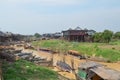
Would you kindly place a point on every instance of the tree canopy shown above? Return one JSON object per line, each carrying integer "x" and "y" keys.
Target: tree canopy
{"x": 117, "y": 35}
{"x": 104, "y": 36}
{"x": 37, "y": 35}
{"x": 107, "y": 35}
{"x": 97, "y": 37}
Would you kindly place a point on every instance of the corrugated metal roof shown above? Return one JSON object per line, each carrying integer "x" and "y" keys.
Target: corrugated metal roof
{"x": 106, "y": 73}
{"x": 78, "y": 28}
{"x": 90, "y": 64}
{"x": 101, "y": 70}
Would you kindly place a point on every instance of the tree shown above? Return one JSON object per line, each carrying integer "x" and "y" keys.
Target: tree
{"x": 97, "y": 37}
{"x": 107, "y": 35}
{"x": 117, "y": 35}
{"x": 37, "y": 35}
{"x": 103, "y": 36}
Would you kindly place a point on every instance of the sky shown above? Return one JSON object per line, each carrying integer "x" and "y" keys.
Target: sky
{"x": 49, "y": 16}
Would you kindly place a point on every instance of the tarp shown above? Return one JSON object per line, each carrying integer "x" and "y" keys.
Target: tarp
{"x": 82, "y": 74}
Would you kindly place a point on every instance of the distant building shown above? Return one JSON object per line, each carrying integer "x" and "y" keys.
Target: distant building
{"x": 57, "y": 35}
{"x": 90, "y": 32}
{"x": 78, "y": 34}
{"x": 47, "y": 35}
{"x": 52, "y": 35}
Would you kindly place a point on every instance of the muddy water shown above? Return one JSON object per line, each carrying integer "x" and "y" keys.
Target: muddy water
{"x": 68, "y": 58}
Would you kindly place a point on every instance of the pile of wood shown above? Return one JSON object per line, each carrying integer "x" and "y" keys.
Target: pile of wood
{"x": 20, "y": 45}
{"x": 24, "y": 53}
{"x": 28, "y": 46}
{"x": 38, "y": 59}
{"x": 29, "y": 57}
{"x": 8, "y": 53}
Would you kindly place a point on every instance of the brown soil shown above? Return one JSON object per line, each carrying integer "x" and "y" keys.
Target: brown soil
{"x": 116, "y": 47}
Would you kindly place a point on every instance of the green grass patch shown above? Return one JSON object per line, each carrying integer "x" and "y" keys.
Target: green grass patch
{"x": 24, "y": 70}
{"x": 115, "y": 42}
{"x": 82, "y": 47}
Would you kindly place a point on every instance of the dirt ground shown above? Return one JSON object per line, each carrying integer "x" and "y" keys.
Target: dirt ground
{"x": 116, "y": 47}
{"x": 68, "y": 59}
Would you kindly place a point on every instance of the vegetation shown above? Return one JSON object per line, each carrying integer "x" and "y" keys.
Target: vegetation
{"x": 24, "y": 70}
{"x": 97, "y": 37}
{"x": 108, "y": 51}
{"x": 105, "y": 36}
{"x": 37, "y": 35}
{"x": 117, "y": 35}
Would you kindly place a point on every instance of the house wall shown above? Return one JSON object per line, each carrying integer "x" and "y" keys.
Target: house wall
{"x": 78, "y": 35}
{"x": 74, "y": 35}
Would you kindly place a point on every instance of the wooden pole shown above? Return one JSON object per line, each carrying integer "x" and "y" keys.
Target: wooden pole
{"x": 73, "y": 69}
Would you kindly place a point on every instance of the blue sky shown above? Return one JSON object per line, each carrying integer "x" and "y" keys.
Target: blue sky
{"x": 46, "y": 16}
